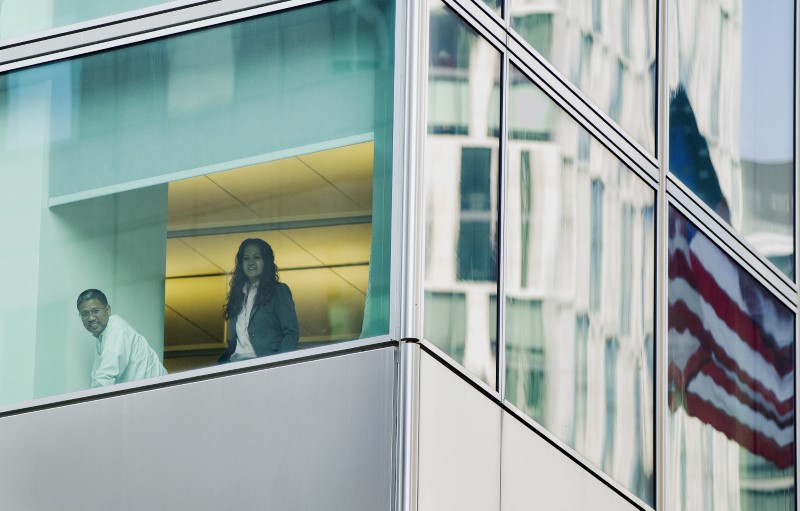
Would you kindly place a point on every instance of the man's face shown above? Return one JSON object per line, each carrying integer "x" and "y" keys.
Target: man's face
{"x": 94, "y": 316}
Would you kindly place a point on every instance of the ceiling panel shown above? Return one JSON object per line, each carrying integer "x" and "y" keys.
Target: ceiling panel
{"x": 198, "y": 302}
{"x": 200, "y": 203}
{"x": 286, "y": 190}
{"x": 221, "y": 249}
{"x": 328, "y": 307}
{"x": 357, "y": 276}
{"x": 181, "y": 333}
{"x": 347, "y": 168}
{"x": 341, "y": 244}
{"x": 182, "y": 260}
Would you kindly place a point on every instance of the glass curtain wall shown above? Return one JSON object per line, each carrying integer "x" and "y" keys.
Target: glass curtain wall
{"x": 578, "y": 239}
{"x": 140, "y": 171}
{"x": 462, "y": 194}
{"x": 579, "y": 294}
{"x": 579, "y": 242}
{"x": 606, "y": 48}
{"x": 732, "y": 115}
{"x": 731, "y": 390}
{"x": 20, "y": 18}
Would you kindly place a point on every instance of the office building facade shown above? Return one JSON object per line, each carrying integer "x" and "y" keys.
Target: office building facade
{"x": 542, "y": 254}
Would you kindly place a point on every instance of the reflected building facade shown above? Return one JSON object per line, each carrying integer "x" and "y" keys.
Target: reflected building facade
{"x": 542, "y": 253}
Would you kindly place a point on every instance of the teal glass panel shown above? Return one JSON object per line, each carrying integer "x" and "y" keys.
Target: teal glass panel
{"x": 579, "y": 239}
{"x": 732, "y": 117}
{"x": 462, "y": 194}
{"x": 140, "y": 171}
{"x": 20, "y": 18}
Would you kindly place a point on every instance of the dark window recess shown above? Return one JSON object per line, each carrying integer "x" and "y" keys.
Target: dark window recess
{"x": 477, "y": 244}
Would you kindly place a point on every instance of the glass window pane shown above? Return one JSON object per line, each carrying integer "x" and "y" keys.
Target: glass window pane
{"x": 731, "y": 134}
{"x": 19, "y": 18}
{"x": 143, "y": 169}
{"x": 496, "y": 5}
{"x": 731, "y": 421}
{"x": 462, "y": 183}
{"x": 607, "y": 49}
{"x": 579, "y": 324}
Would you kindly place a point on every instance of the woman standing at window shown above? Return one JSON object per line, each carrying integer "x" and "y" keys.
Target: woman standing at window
{"x": 260, "y": 310}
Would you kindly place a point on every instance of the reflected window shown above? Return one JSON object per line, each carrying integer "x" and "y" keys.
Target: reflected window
{"x": 477, "y": 252}
{"x": 525, "y": 373}
{"x": 607, "y": 50}
{"x": 731, "y": 133}
{"x": 596, "y": 246}
{"x": 731, "y": 381}
{"x": 462, "y": 192}
{"x": 575, "y": 346}
{"x": 597, "y": 16}
{"x": 611, "y": 372}
{"x": 445, "y": 322}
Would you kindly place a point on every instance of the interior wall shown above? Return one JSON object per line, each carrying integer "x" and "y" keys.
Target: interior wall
{"x": 23, "y": 153}
{"x": 116, "y": 244}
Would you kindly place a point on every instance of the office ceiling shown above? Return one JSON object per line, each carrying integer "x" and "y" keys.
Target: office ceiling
{"x": 314, "y": 210}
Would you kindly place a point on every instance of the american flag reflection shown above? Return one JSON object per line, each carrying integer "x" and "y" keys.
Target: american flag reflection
{"x": 731, "y": 348}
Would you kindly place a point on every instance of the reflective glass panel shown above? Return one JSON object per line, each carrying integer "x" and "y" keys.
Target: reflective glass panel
{"x": 496, "y": 5}
{"x": 606, "y": 48}
{"x": 461, "y": 203}
{"x": 731, "y": 383}
{"x": 121, "y": 173}
{"x": 19, "y": 18}
{"x": 579, "y": 240}
{"x": 731, "y": 134}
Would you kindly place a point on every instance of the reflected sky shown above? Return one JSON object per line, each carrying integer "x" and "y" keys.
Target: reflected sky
{"x": 732, "y": 117}
{"x": 767, "y": 77}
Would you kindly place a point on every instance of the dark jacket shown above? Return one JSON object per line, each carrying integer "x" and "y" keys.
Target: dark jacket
{"x": 273, "y": 326}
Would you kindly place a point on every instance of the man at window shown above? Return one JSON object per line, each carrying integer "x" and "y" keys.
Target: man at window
{"x": 121, "y": 353}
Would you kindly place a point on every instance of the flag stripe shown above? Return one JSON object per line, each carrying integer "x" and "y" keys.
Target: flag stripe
{"x": 729, "y": 311}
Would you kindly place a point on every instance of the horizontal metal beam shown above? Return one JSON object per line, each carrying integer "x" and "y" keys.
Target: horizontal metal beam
{"x": 271, "y": 226}
{"x": 132, "y": 27}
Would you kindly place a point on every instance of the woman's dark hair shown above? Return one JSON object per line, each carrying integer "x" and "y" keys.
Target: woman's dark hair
{"x": 266, "y": 284}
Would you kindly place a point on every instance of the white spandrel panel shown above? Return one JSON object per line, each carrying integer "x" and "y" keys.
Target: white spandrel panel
{"x": 308, "y": 435}
{"x": 459, "y": 443}
{"x": 538, "y": 476}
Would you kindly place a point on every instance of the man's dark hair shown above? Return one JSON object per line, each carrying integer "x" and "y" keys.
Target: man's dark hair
{"x": 92, "y": 294}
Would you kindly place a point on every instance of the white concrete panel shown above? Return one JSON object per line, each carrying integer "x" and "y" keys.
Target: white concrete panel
{"x": 306, "y": 436}
{"x": 536, "y": 475}
{"x": 459, "y": 443}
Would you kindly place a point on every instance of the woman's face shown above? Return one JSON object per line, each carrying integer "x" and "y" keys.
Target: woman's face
{"x": 252, "y": 263}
